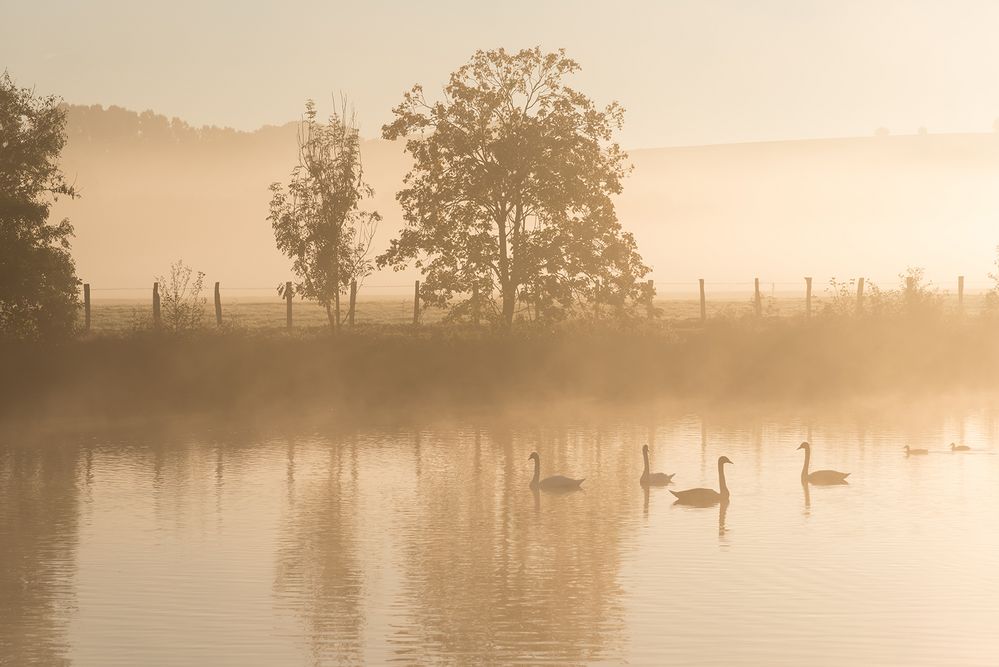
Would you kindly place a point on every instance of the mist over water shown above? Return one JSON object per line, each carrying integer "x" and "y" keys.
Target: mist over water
{"x": 292, "y": 544}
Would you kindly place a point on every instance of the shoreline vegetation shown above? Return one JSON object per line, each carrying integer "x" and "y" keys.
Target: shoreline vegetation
{"x": 391, "y": 371}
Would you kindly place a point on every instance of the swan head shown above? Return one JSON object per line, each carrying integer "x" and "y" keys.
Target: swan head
{"x": 804, "y": 445}
{"x": 723, "y": 460}
{"x": 534, "y": 457}
{"x": 906, "y": 448}
{"x": 645, "y": 449}
{"x": 953, "y": 445}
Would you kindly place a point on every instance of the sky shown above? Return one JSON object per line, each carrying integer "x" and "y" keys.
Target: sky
{"x": 688, "y": 72}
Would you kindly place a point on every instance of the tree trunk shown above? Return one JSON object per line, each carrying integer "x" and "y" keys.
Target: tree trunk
{"x": 329, "y": 316}
{"x": 509, "y": 303}
{"x": 336, "y": 301}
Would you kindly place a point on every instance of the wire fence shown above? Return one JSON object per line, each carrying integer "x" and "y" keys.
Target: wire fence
{"x": 120, "y": 308}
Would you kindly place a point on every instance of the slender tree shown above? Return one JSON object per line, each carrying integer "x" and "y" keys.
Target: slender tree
{"x": 317, "y": 220}
{"x": 511, "y": 188}
{"x": 38, "y": 283}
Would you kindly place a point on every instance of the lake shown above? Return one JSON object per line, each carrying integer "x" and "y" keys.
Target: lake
{"x": 424, "y": 544}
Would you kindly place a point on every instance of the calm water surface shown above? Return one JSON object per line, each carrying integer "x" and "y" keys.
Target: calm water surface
{"x": 427, "y": 546}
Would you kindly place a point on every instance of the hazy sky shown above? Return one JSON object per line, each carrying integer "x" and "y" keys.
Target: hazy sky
{"x": 688, "y": 72}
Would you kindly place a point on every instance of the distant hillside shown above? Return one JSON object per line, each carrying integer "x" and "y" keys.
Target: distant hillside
{"x": 156, "y": 189}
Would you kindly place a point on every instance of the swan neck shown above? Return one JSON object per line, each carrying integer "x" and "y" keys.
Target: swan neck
{"x": 537, "y": 471}
{"x": 804, "y": 467}
{"x": 722, "y": 486}
{"x": 645, "y": 455}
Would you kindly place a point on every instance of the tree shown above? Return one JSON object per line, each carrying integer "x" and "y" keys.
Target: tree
{"x": 38, "y": 283}
{"x": 510, "y": 190}
{"x": 317, "y": 221}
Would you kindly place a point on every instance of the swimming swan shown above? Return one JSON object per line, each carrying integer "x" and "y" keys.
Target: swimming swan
{"x": 915, "y": 452}
{"x": 653, "y": 478}
{"x": 705, "y": 497}
{"x": 553, "y": 483}
{"x": 959, "y": 448}
{"x": 820, "y": 476}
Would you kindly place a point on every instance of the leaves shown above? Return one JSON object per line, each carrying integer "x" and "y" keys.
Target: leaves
{"x": 511, "y": 189}
{"x": 317, "y": 220}
{"x": 38, "y": 280}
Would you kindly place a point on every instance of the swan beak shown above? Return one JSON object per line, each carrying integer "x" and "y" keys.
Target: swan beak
{"x": 801, "y": 446}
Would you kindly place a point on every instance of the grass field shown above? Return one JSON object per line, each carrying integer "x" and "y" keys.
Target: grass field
{"x": 122, "y": 316}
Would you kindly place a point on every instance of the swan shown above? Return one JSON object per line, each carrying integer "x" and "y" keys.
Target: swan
{"x": 915, "y": 452}
{"x": 653, "y": 478}
{"x": 553, "y": 483}
{"x": 959, "y": 448}
{"x": 819, "y": 476}
{"x": 705, "y": 497}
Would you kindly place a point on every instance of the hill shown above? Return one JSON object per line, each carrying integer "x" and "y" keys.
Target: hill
{"x": 156, "y": 189}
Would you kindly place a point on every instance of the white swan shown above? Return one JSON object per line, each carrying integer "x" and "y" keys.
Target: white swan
{"x": 706, "y": 497}
{"x": 959, "y": 448}
{"x": 653, "y": 478}
{"x": 915, "y": 452}
{"x": 821, "y": 477}
{"x": 553, "y": 483}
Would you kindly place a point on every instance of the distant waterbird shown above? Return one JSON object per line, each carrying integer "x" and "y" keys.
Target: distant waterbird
{"x": 954, "y": 447}
{"x": 915, "y": 452}
{"x": 553, "y": 483}
{"x": 820, "y": 477}
{"x": 653, "y": 478}
{"x": 706, "y": 497}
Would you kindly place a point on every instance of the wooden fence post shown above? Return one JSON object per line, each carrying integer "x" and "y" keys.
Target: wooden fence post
{"x": 704, "y": 309}
{"x": 218, "y": 305}
{"x": 353, "y": 302}
{"x": 86, "y": 306}
{"x": 416, "y": 304}
{"x": 287, "y": 298}
{"x": 860, "y": 295}
{"x": 808, "y": 297}
{"x": 475, "y": 305}
{"x": 960, "y": 295}
{"x": 652, "y": 298}
{"x": 758, "y": 299}
{"x": 156, "y": 305}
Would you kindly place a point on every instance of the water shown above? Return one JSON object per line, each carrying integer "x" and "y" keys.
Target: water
{"x": 221, "y": 546}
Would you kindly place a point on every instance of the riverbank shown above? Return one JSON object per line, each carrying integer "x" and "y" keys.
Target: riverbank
{"x": 111, "y": 378}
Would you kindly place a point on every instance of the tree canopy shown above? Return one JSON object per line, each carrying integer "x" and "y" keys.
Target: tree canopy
{"x": 510, "y": 191}
{"x": 317, "y": 221}
{"x": 38, "y": 283}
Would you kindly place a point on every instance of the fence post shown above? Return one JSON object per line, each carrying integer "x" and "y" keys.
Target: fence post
{"x": 758, "y": 299}
{"x": 808, "y": 297}
{"x": 156, "y": 305}
{"x": 218, "y": 305}
{"x": 86, "y": 306}
{"x": 860, "y": 295}
{"x": 475, "y": 304}
{"x": 353, "y": 302}
{"x": 287, "y": 298}
{"x": 960, "y": 295}
{"x": 704, "y": 310}
{"x": 416, "y": 304}
{"x": 652, "y": 297}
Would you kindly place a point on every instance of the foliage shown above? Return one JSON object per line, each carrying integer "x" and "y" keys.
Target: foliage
{"x": 317, "y": 221}
{"x": 181, "y": 305}
{"x": 510, "y": 192}
{"x": 38, "y": 283}
{"x": 992, "y": 296}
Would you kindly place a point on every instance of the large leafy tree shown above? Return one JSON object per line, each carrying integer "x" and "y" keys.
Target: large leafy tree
{"x": 38, "y": 283}
{"x": 510, "y": 191}
{"x": 317, "y": 220}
